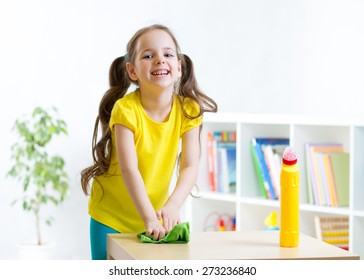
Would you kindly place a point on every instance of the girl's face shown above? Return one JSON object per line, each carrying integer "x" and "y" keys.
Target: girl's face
{"x": 156, "y": 62}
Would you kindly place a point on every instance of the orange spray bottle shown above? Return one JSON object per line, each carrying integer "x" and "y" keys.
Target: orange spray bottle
{"x": 289, "y": 199}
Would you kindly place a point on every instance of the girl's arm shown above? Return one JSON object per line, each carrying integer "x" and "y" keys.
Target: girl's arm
{"x": 128, "y": 161}
{"x": 190, "y": 157}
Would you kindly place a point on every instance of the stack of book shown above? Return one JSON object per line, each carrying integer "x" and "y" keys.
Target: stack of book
{"x": 267, "y": 158}
{"x": 327, "y": 174}
{"x": 222, "y": 161}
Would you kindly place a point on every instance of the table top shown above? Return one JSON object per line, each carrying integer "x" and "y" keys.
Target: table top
{"x": 223, "y": 245}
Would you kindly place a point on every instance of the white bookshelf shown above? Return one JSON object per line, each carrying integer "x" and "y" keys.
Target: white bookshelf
{"x": 248, "y": 204}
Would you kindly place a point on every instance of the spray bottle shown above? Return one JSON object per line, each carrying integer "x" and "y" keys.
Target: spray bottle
{"x": 289, "y": 199}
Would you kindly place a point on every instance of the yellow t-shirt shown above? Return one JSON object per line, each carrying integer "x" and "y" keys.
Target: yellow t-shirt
{"x": 156, "y": 146}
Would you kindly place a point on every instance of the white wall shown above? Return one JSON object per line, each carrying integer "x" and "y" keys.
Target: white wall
{"x": 266, "y": 56}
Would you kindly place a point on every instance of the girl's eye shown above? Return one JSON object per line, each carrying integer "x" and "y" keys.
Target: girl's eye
{"x": 148, "y": 56}
{"x": 168, "y": 55}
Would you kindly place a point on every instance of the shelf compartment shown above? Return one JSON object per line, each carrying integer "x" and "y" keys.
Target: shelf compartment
{"x": 252, "y": 216}
{"x": 249, "y": 186}
{"x": 203, "y": 177}
{"x": 204, "y": 212}
{"x": 304, "y": 134}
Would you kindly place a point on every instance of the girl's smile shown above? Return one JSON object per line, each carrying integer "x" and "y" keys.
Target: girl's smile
{"x": 160, "y": 72}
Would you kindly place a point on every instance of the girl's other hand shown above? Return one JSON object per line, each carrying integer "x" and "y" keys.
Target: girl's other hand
{"x": 170, "y": 216}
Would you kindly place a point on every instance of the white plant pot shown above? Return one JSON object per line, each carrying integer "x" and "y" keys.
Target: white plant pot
{"x": 35, "y": 252}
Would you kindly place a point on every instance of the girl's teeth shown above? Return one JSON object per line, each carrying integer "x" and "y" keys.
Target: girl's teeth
{"x": 160, "y": 73}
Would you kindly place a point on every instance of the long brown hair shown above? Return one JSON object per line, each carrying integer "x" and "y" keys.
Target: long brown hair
{"x": 119, "y": 84}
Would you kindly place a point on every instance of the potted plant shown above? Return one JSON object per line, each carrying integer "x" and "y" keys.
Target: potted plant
{"x": 42, "y": 176}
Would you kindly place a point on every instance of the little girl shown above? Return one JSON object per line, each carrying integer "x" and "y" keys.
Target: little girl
{"x": 135, "y": 157}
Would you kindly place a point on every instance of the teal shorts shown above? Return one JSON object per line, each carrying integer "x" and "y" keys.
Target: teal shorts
{"x": 98, "y": 234}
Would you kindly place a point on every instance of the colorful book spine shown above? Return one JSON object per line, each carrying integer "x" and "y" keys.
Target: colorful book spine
{"x": 261, "y": 169}
{"x": 318, "y": 182}
{"x": 312, "y": 196}
{"x": 221, "y": 147}
{"x": 273, "y": 168}
{"x": 211, "y": 161}
{"x": 330, "y": 179}
{"x": 268, "y": 152}
{"x": 324, "y": 182}
{"x": 259, "y": 172}
{"x": 227, "y": 166}
{"x": 340, "y": 164}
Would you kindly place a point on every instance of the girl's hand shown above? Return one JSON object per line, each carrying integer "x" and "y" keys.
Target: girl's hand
{"x": 170, "y": 215}
{"x": 155, "y": 228}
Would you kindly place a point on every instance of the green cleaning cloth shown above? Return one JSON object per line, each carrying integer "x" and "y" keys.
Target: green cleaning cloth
{"x": 179, "y": 234}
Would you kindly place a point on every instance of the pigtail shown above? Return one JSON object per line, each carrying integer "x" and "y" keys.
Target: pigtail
{"x": 188, "y": 87}
{"x": 101, "y": 149}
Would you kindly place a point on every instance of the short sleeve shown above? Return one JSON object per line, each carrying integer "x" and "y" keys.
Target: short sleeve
{"x": 123, "y": 113}
{"x": 192, "y": 109}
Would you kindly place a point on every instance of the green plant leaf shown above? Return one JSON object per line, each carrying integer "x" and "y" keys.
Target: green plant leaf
{"x": 42, "y": 176}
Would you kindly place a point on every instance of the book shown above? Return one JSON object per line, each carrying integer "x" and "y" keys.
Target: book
{"x": 221, "y": 155}
{"x": 268, "y": 152}
{"x": 227, "y": 167}
{"x": 258, "y": 168}
{"x": 316, "y": 187}
{"x": 340, "y": 165}
{"x": 273, "y": 159}
{"x": 329, "y": 175}
{"x": 231, "y": 160}
{"x": 211, "y": 160}
{"x": 322, "y": 178}
{"x": 262, "y": 169}
{"x": 309, "y": 173}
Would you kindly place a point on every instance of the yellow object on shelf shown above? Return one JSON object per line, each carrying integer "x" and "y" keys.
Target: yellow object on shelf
{"x": 271, "y": 221}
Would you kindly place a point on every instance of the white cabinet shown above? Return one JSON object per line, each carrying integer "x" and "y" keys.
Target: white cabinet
{"x": 248, "y": 204}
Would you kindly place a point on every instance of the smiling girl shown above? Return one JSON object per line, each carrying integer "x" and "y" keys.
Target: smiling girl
{"x": 142, "y": 131}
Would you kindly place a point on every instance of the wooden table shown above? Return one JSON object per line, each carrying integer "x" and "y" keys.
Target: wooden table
{"x": 223, "y": 246}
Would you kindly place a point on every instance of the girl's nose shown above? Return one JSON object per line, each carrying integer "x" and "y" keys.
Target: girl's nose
{"x": 160, "y": 60}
